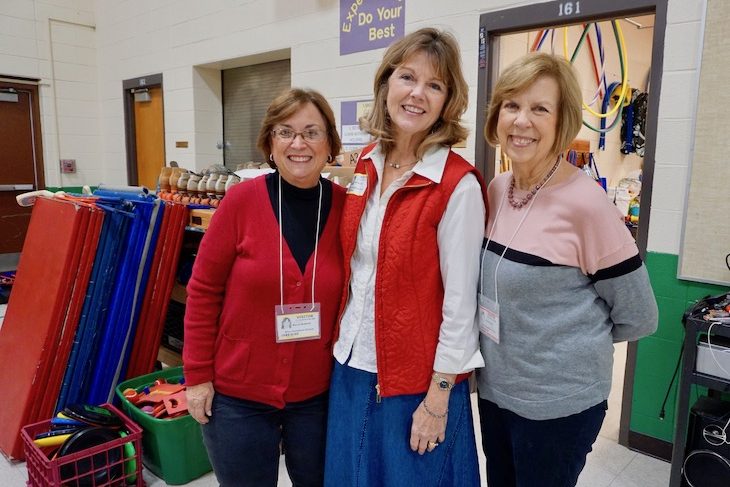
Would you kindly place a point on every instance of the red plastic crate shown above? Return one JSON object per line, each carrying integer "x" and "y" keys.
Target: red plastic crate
{"x": 79, "y": 469}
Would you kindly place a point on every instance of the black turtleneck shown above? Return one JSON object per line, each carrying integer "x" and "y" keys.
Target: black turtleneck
{"x": 299, "y": 212}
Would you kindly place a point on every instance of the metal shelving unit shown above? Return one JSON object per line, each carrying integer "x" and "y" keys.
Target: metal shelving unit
{"x": 688, "y": 377}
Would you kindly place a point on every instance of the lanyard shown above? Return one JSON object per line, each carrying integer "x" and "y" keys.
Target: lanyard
{"x": 489, "y": 237}
{"x": 281, "y": 245}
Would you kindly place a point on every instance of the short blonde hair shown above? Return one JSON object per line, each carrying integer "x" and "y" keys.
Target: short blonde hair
{"x": 519, "y": 75}
{"x": 287, "y": 104}
{"x": 443, "y": 51}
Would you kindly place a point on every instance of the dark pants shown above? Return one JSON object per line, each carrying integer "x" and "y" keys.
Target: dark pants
{"x": 243, "y": 438}
{"x": 525, "y": 453}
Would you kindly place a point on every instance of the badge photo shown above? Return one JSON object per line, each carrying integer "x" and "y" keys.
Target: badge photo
{"x": 297, "y": 322}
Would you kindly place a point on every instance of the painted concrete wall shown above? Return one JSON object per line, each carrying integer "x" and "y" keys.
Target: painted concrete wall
{"x": 82, "y": 50}
{"x": 56, "y": 42}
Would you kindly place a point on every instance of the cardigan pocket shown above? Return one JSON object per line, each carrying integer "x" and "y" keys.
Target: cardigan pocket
{"x": 231, "y": 359}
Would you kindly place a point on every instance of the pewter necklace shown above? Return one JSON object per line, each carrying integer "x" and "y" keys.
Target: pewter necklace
{"x": 396, "y": 165}
{"x": 526, "y": 199}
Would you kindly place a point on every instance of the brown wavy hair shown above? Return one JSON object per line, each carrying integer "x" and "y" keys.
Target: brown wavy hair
{"x": 519, "y": 75}
{"x": 443, "y": 51}
{"x": 287, "y": 104}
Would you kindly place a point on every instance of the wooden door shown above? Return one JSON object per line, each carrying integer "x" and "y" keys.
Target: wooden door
{"x": 149, "y": 135}
{"x": 21, "y": 163}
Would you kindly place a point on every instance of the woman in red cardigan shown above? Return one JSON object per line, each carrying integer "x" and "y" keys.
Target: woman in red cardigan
{"x": 262, "y": 303}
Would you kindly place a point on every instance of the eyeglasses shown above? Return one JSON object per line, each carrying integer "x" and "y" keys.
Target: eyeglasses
{"x": 310, "y": 135}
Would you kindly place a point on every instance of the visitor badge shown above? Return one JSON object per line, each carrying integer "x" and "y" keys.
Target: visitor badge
{"x": 296, "y": 322}
{"x": 358, "y": 185}
{"x": 489, "y": 317}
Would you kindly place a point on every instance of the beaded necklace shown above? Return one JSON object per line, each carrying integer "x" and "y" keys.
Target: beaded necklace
{"x": 526, "y": 199}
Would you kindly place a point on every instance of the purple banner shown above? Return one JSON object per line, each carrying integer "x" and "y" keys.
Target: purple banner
{"x": 370, "y": 24}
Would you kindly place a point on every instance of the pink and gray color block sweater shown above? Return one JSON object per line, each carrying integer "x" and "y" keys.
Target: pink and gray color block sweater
{"x": 570, "y": 285}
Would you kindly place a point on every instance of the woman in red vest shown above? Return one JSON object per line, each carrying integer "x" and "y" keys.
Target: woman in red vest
{"x": 262, "y": 303}
{"x": 412, "y": 228}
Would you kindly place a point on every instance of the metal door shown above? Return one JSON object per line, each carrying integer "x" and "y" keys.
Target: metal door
{"x": 21, "y": 164}
{"x": 149, "y": 135}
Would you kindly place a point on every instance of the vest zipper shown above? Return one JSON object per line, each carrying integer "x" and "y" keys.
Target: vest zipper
{"x": 380, "y": 253}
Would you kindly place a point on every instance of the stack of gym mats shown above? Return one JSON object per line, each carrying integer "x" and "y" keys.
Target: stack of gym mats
{"x": 103, "y": 335}
{"x": 154, "y": 309}
{"x": 80, "y": 288}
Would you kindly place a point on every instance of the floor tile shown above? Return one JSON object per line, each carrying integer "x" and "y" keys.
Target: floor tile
{"x": 612, "y": 456}
{"x": 595, "y": 475}
{"x": 603, "y": 465}
{"x": 12, "y": 473}
{"x": 209, "y": 480}
{"x": 644, "y": 471}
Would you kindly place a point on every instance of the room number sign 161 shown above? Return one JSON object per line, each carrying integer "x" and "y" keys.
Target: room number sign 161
{"x": 568, "y": 8}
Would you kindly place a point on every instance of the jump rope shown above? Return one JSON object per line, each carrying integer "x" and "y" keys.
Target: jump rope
{"x": 602, "y": 85}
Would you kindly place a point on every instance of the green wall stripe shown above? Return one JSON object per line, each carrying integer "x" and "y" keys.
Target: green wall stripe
{"x": 657, "y": 354}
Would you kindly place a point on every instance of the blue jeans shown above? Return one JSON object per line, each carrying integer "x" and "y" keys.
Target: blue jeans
{"x": 243, "y": 439}
{"x": 523, "y": 452}
{"x": 368, "y": 442}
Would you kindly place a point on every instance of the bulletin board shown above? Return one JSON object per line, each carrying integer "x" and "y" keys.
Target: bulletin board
{"x": 706, "y": 229}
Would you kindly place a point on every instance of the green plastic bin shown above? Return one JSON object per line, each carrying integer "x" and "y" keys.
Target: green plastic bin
{"x": 172, "y": 449}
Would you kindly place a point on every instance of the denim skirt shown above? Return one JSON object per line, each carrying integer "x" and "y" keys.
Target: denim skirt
{"x": 368, "y": 441}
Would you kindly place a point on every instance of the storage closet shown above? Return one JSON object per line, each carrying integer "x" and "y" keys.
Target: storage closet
{"x": 611, "y": 144}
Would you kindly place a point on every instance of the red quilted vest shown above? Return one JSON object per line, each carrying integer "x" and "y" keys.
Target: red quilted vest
{"x": 409, "y": 290}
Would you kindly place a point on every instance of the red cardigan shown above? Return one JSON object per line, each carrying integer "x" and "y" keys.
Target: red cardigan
{"x": 229, "y": 319}
{"x": 409, "y": 291}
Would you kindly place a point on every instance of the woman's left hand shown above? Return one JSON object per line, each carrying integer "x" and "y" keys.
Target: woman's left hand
{"x": 427, "y": 430}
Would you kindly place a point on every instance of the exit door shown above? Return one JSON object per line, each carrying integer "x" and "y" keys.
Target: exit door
{"x": 149, "y": 135}
{"x": 144, "y": 130}
{"x": 21, "y": 160}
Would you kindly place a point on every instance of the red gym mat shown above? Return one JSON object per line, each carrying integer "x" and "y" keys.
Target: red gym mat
{"x": 65, "y": 337}
{"x": 36, "y": 311}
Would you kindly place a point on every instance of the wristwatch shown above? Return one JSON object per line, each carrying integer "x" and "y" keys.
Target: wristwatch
{"x": 443, "y": 384}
